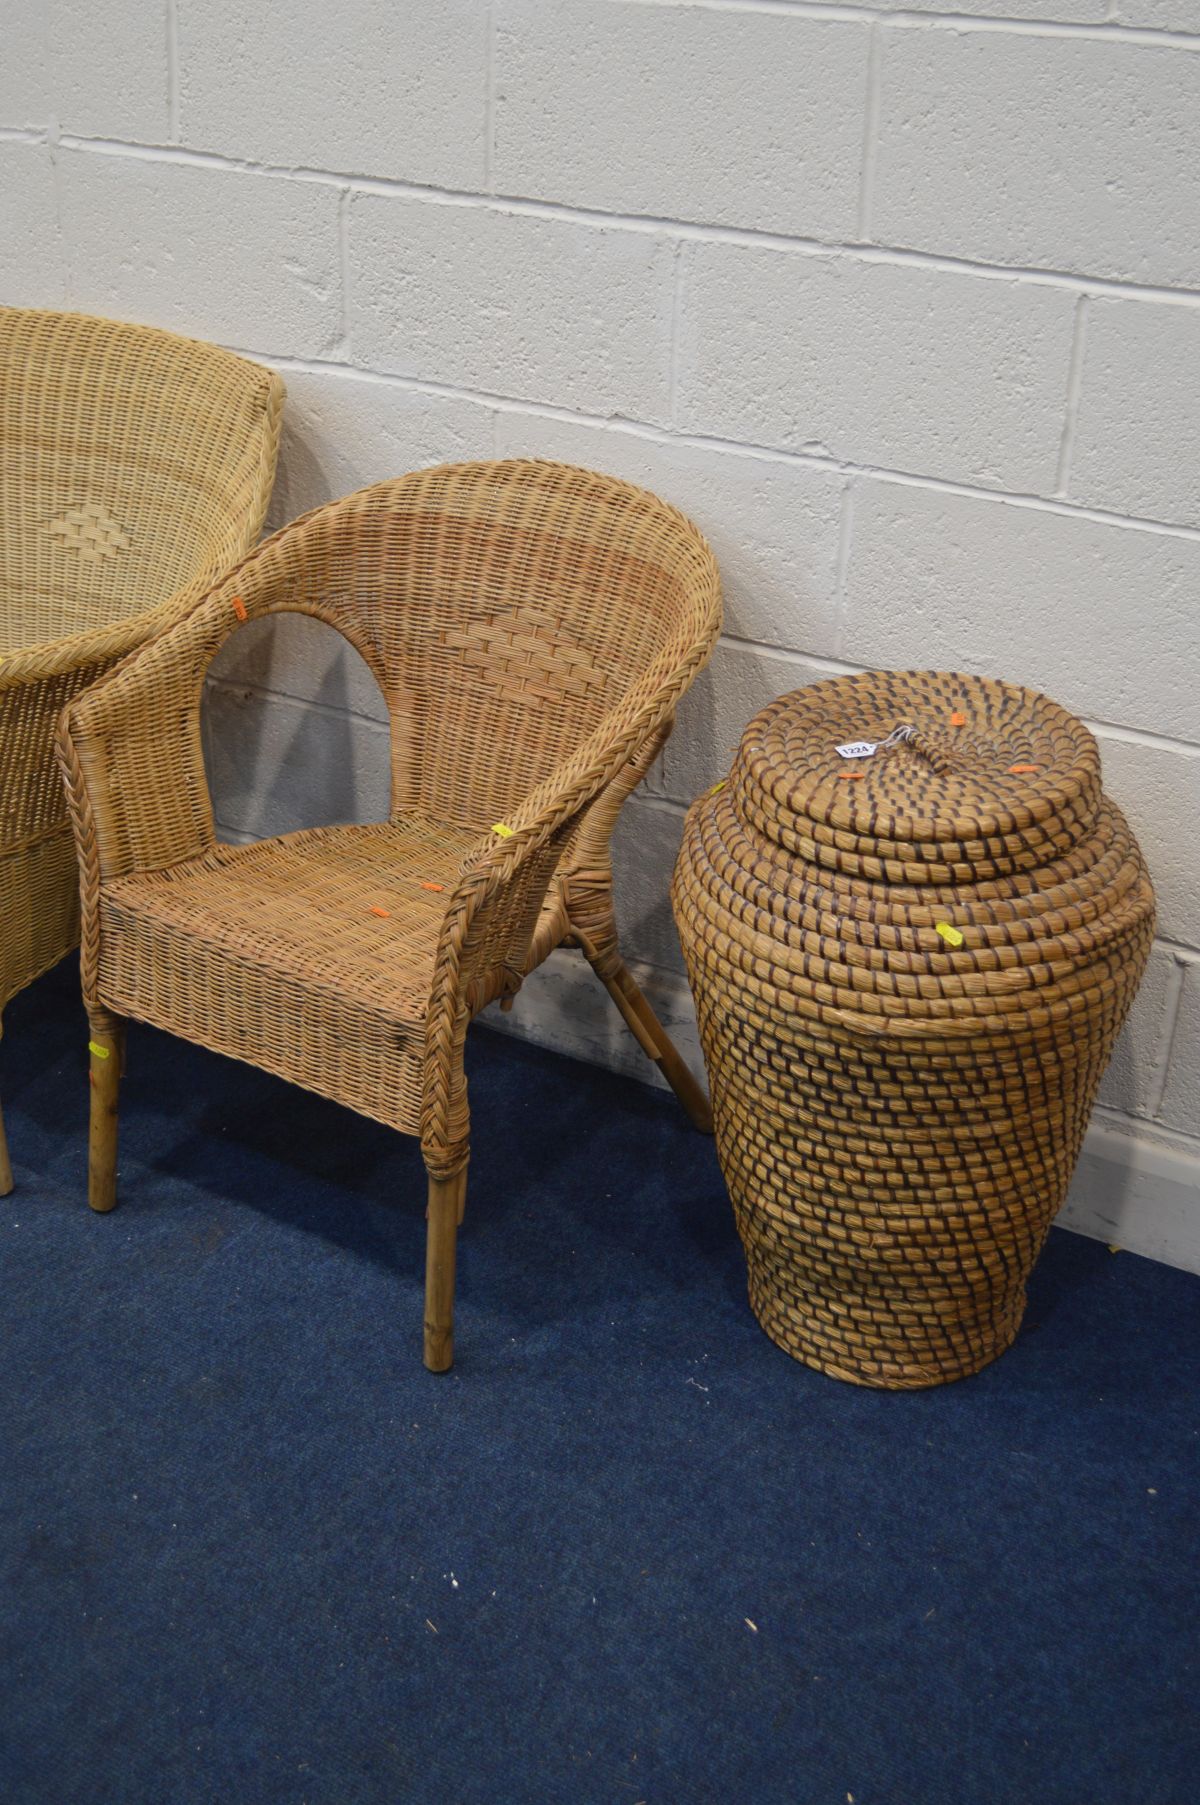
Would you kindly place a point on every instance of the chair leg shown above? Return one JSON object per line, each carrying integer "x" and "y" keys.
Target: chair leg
{"x": 107, "y": 1050}
{"x": 446, "y": 1200}
{"x": 6, "y": 1177}
{"x": 649, "y": 1032}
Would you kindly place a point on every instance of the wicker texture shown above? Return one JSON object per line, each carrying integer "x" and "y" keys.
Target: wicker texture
{"x": 134, "y": 466}
{"x": 909, "y": 970}
{"x": 531, "y": 628}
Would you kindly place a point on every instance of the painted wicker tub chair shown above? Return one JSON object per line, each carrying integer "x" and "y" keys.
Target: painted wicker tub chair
{"x": 134, "y": 466}
{"x": 531, "y": 627}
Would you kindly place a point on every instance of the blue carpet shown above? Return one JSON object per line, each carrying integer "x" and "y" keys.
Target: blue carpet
{"x": 628, "y": 1551}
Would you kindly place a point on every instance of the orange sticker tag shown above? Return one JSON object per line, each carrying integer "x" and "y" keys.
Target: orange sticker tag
{"x": 239, "y": 607}
{"x": 438, "y": 887}
{"x": 851, "y": 776}
{"x": 376, "y": 910}
{"x": 1020, "y": 770}
{"x": 958, "y": 718}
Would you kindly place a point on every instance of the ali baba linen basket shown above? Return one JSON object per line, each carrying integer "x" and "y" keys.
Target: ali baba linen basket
{"x": 909, "y": 969}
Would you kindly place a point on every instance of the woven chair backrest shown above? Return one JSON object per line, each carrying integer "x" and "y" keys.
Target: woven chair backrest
{"x": 505, "y": 609}
{"x": 129, "y": 459}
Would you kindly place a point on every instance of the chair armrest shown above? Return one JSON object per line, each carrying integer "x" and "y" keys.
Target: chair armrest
{"x": 130, "y": 754}
{"x": 494, "y": 907}
{"x": 130, "y": 746}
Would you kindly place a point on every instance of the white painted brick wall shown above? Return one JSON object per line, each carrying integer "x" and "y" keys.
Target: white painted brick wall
{"x": 1068, "y": 153}
{"x": 248, "y": 259}
{"x": 903, "y": 306}
{"x": 301, "y": 660}
{"x": 101, "y": 66}
{"x": 26, "y": 97}
{"x": 545, "y": 309}
{"x": 105, "y": 67}
{"x": 1160, "y": 15}
{"x": 1158, "y": 786}
{"x": 645, "y": 847}
{"x": 1137, "y": 436}
{"x": 368, "y": 87}
{"x": 288, "y": 765}
{"x": 935, "y": 372}
{"x": 1105, "y": 617}
{"x": 30, "y": 251}
{"x": 741, "y": 118}
{"x": 1058, "y": 11}
{"x": 1179, "y": 1105}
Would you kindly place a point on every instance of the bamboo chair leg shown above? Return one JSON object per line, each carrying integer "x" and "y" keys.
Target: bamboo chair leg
{"x": 107, "y": 1052}
{"x": 649, "y": 1033}
{"x": 446, "y": 1200}
{"x": 6, "y": 1177}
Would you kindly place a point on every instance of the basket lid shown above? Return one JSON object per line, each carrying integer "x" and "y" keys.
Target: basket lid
{"x": 925, "y": 777}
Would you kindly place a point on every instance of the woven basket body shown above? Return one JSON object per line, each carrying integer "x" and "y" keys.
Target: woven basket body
{"x": 909, "y": 970}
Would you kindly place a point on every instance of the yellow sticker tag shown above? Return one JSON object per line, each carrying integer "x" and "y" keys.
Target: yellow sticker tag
{"x": 503, "y": 829}
{"x": 950, "y": 935}
{"x": 716, "y": 787}
{"x": 95, "y": 1047}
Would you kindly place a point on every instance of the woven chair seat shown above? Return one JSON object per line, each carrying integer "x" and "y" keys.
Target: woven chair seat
{"x": 310, "y": 956}
{"x": 345, "y": 909}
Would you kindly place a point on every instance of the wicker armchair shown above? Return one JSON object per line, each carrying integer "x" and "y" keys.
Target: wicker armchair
{"x": 134, "y": 466}
{"x": 531, "y": 628}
